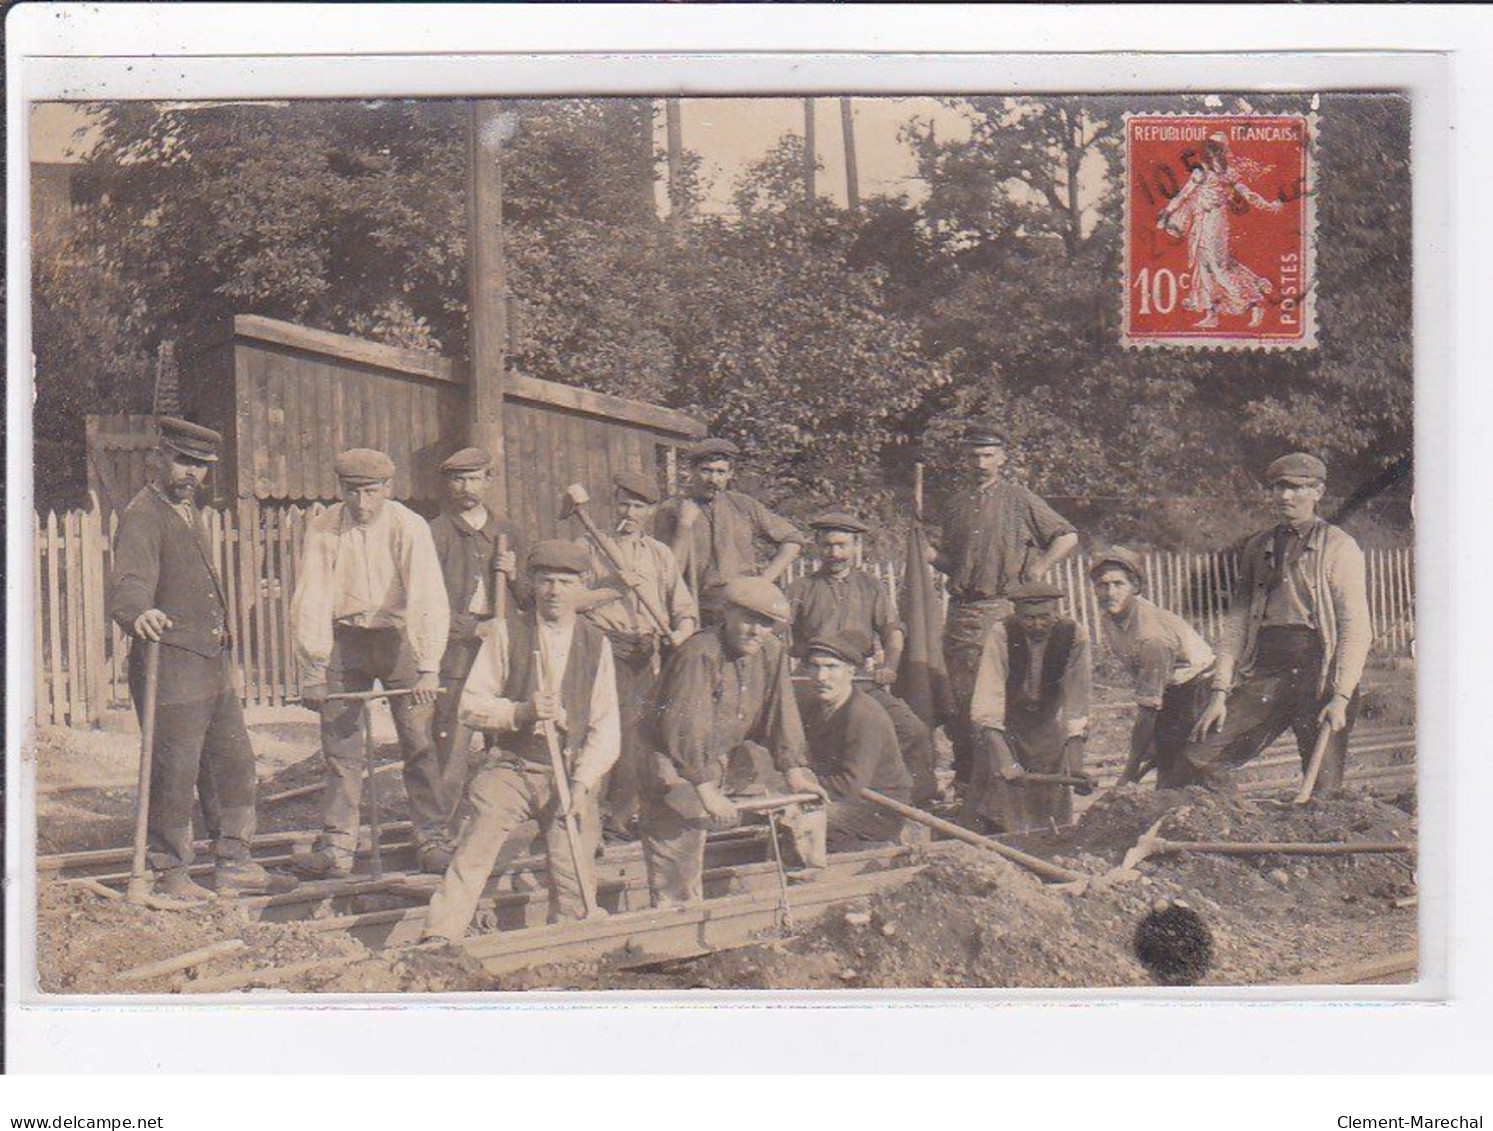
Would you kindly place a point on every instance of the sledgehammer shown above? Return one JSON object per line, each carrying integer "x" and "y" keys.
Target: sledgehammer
{"x": 574, "y": 507}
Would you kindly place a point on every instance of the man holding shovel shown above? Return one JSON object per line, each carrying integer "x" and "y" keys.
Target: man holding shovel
{"x": 165, "y": 593}
{"x": 369, "y": 606}
{"x": 546, "y": 676}
{"x": 1295, "y": 640}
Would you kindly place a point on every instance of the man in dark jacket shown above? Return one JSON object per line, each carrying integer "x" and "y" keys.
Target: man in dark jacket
{"x": 164, "y": 590}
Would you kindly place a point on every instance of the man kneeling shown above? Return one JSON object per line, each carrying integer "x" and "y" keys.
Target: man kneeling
{"x": 552, "y": 668}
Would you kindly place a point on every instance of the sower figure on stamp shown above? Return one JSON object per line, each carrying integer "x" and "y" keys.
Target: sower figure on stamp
{"x": 1295, "y": 640}
{"x": 638, "y": 643}
{"x": 852, "y": 745}
{"x": 995, "y": 536}
{"x": 1172, "y": 667}
{"x": 547, "y": 667}
{"x": 370, "y": 606}
{"x": 837, "y": 599}
{"x": 725, "y": 687}
{"x": 714, "y": 531}
{"x": 469, "y": 540}
{"x": 1031, "y": 705}
{"x": 164, "y": 589}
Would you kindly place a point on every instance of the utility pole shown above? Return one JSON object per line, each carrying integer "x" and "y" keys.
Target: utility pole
{"x": 809, "y": 148}
{"x": 488, "y": 282}
{"x": 852, "y": 173}
{"x": 674, "y": 127}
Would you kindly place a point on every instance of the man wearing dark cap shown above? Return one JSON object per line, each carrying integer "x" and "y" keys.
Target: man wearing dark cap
{"x": 838, "y": 598}
{"x": 723, "y": 687}
{"x": 715, "y": 532}
{"x": 1172, "y": 667}
{"x": 370, "y": 606}
{"x": 638, "y": 643}
{"x": 1031, "y": 703}
{"x": 995, "y": 536}
{"x": 1295, "y": 640}
{"x": 852, "y": 745}
{"x": 164, "y": 588}
{"x": 548, "y": 666}
{"x": 478, "y": 552}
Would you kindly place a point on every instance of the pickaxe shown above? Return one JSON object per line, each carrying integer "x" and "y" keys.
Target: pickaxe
{"x": 1150, "y": 844}
{"x": 574, "y": 506}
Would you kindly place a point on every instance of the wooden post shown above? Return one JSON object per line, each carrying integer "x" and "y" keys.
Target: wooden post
{"x": 852, "y": 172}
{"x": 487, "y": 278}
{"x": 674, "y": 130}
{"x": 809, "y": 149}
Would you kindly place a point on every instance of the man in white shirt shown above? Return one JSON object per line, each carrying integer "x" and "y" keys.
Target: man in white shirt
{"x": 369, "y": 606}
{"x": 548, "y": 666}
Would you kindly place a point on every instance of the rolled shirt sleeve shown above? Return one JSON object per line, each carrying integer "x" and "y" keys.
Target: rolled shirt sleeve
{"x": 1347, "y": 582}
{"x": 1155, "y": 659}
{"x": 772, "y": 527}
{"x": 311, "y": 606}
{"x": 1045, "y": 522}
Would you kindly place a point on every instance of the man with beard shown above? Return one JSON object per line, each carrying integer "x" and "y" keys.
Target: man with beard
{"x": 714, "y": 531}
{"x": 1295, "y": 640}
{"x": 1031, "y": 705}
{"x": 724, "y": 688}
{"x": 165, "y": 589}
{"x": 369, "y": 606}
{"x": 995, "y": 536}
{"x": 469, "y": 541}
{"x": 1172, "y": 667}
{"x": 638, "y": 644}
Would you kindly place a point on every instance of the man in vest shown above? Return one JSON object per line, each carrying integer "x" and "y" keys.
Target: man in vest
{"x": 1295, "y": 640}
{"x": 1170, "y": 664}
{"x": 724, "y": 688}
{"x": 369, "y": 606}
{"x": 1031, "y": 704}
{"x": 164, "y": 589}
{"x": 715, "y": 532}
{"x": 995, "y": 536}
{"x": 549, "y": 666}
{"x": 468, "y": 540}
{"x": 638, "y": 643}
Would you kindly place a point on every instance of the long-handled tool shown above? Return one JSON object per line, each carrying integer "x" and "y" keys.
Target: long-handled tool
{"x": 1314, "y": 768}
{"x": 375, "y": 818}
{"x": 138, "y": 890}
{"x": 562, "y": 791}
{"x": 1081, "y": 784}
{"x": 1150, "y": 844}
{"x": 574, "y": 506}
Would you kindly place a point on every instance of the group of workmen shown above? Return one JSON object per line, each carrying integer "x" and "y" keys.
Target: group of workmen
{"x": 643, "y": 686}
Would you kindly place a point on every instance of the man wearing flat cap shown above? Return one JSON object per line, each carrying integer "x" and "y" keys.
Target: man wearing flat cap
{"x": 995, "y": 535}
{"x": 715, "y": 532}
{"x": 548, "y": 666}
{"x": 1031, "y": 705}
{"x": 165, "y": 589}
{"x": 369, "y": 607}
{"x": 839, "y": 598}
{"x": 852, "y": 744}
{"x": 478, "y": 552}
{"x": 638, "y": 643}
{"x": 1295, "y": 640}
{"x": 724, "y": 687}
{"x": 1172, "y": 667}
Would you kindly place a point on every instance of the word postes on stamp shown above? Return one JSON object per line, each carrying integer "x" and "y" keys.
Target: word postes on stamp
{"x": 1219, "y": 228}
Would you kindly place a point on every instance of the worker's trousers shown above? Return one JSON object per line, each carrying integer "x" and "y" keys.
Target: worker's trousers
{"x": 453, "y": 738}
{"x": 636, "y": 679}
{"x": 964, "y": 640}
{"x": 503, "y": 796}
{"x": 361, "y": 656}
{"x": 202, "y": 745}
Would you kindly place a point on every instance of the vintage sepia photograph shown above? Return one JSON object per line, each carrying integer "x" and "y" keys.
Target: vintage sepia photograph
{"x": 840, "y": 542}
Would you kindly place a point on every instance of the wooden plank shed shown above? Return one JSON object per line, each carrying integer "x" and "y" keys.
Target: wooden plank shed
{"x": 288, "y": 398}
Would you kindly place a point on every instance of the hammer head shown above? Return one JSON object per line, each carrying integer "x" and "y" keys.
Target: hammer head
{"x": 575, "y": 498}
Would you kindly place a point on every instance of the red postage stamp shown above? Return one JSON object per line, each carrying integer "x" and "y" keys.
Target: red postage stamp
{"x": 1219, "y": 231}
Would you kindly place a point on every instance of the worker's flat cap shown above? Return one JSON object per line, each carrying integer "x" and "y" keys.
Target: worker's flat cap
{"x": 838, "y": 520}
{"x": 1298, "y": 467}
{"x": 757, "y": 595}
{"x": 636, "y": 483}
{"x": 1127, "y": 560}
{"x": 1034, "y": 593}
{"x": 847, "y": 646}
{"x": 986, "y": 434}
{"x": 362, "y": 465}
{"x": 190, "y": 440}
{"x": 559, "y": 555}
{"x": 713, "y": 448}
{"x": 468, "y": 459}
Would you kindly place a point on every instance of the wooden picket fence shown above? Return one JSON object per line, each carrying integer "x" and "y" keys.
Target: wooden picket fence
{"x": 80, "y": 657}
